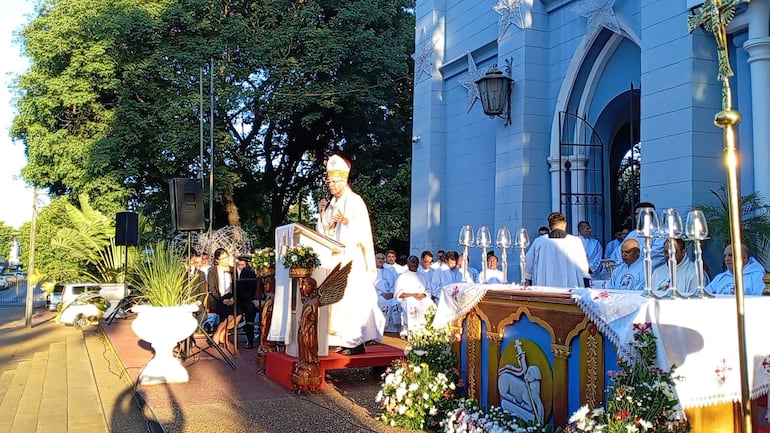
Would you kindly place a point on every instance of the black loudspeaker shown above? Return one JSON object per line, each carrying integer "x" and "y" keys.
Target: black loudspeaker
{"x": 127, "y": 228}
{"x": 187, "y": 204}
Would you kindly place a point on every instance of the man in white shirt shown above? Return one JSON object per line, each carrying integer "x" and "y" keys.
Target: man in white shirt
{"x": 386, "y": 299}
{"x": 630, "y": 274}
{"x": 493, "y": 274}
{"x": 614, "y": 244}
{"x": 593, "y": 248}
{"x": 414, "y": 297}
{"x": 452, "y": 274}
{"x": 390, "y": 262}
{"x": 557, "y": 259}
{"x": 724, "y": 283}
{"x": 656, "y": 243}
{"x": 425, "y": 271}
{"x": 686, "y": 274}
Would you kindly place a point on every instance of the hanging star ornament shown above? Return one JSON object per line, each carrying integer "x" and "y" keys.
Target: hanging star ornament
{"x": 422, "y": 63}
{"x": 600, "y": 13}
{"x": 469, "y": 81}
{"x": 510, "y": 13}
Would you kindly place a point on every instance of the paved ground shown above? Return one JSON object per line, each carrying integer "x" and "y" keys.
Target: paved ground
{"x": 216, "y": 399}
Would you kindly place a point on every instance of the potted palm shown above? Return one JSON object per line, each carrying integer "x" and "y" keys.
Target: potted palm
{"x": 165, "y": 316}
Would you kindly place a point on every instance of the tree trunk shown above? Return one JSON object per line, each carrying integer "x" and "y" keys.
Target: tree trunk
{"x": 233, "y": 217}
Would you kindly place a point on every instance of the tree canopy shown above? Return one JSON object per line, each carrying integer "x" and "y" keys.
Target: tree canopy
{"x": 111, "y": 105}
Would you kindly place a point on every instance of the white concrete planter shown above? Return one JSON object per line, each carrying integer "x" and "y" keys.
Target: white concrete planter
{"x": 163, "y": 328}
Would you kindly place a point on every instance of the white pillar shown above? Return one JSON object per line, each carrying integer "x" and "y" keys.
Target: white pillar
{"x": 758, "y": 48}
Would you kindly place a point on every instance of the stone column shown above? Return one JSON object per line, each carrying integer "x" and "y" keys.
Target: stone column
{"x": 758, "y": 49}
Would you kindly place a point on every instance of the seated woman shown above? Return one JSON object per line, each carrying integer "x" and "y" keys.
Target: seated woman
{"x": 220, "y": 281}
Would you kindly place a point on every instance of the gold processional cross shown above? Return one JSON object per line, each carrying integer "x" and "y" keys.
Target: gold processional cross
{"x": 714, "y": 16}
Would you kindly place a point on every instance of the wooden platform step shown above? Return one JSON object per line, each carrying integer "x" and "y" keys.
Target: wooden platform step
{"x": 279, "y": 365}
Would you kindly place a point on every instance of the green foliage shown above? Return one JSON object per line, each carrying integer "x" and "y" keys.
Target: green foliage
{"x": 51, "y": 262}
{"x": 89, "y": 237}
{"x": 389, "y": 205}
{"x": 7, "y": 235}
{"x": 641, "y": 396}
{"x": 161, "y": 277}
{"x": 110, "y": 104}
{"x": 300, "y": 256}
{"x": 755, "y": 221}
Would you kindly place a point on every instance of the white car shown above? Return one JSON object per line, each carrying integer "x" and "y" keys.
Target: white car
{"x": 3, "y": 282}
{"x": 80, "y": 304}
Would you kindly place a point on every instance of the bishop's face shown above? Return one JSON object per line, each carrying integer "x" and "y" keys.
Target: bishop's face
{"x": 336, "y": 186}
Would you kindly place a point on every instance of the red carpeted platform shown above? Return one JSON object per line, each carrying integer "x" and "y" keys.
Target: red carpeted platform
{"x": 278, "y": 365}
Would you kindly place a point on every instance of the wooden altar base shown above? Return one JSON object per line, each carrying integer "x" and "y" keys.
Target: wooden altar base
{"x": 279, "y": 366}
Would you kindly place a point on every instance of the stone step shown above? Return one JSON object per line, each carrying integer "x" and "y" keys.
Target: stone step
{"x": 83, "y": 402}
{"x": 29, "y": 404}
{"x": 53, "y": 410}
{"x": 10, "y": 404}
{"x": 5, "y": 382}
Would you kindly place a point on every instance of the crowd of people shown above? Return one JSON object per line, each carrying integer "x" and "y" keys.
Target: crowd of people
{"x": 555, "y": 258}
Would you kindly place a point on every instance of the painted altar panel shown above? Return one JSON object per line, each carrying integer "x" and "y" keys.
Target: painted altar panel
{"x": 534, "y": 354}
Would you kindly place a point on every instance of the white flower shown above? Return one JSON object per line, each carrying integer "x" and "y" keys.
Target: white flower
{"x": 631, "y": 429}
{"x": 646, "y": 424}
{"x": 579, "y": 414}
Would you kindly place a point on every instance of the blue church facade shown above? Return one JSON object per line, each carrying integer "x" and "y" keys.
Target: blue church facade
{"x": 592, "y": 79}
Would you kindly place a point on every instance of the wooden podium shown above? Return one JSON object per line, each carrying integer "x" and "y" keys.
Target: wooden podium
{"x": 288, "y": 299}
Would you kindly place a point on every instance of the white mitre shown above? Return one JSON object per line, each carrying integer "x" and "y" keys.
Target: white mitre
{"x": 337, "y": 168}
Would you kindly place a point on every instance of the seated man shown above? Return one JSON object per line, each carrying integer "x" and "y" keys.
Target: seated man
{"x": 557, "y": 259}
{"x": 724, "y": 283}
{"x": 414, "y": 297}
{"x": 656, "y": 243}
{"x": 686, "y": 274}
{"x": 630, "y": 274}
{"x": 494, "y": 275}
{"x": 386, "y": 299}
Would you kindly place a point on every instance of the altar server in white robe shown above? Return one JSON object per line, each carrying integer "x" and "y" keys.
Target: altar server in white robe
{"x": 493, "y": 274}
{"x": 593, "y": 248}
{"x": 557, "y": 259}
{"x": 630, "y": 274}
{"x": 452, "y": 273}
{"x": 356, "y": 318}
{"x": 414, "y": 297}
{"x": 386, "y": 296}
{"x": 686, "y": 274}
{"x": 724, "y": 283}
{"x": 425, "y": 271}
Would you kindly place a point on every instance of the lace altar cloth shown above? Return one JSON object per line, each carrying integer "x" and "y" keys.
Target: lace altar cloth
{"x": 699, "y": 336}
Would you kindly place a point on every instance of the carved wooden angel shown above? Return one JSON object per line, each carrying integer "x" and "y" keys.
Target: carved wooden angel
{"x": 331, "y": 290}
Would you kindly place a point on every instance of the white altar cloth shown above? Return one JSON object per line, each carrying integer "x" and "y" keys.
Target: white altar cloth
{"x": 699, "y": 336}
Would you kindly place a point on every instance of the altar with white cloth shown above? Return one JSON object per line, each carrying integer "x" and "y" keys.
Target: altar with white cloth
{"x": 573, "y": 337}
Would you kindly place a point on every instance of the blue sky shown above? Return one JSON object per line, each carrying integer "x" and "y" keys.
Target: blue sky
{"x": 15, "y": 196}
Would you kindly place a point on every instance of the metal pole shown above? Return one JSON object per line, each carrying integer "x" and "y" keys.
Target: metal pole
{"x": 211, "y": 145}
{"x": 715, "y": 16}
{"x": 31, "y": 267}
{"x": 200, "y": 126}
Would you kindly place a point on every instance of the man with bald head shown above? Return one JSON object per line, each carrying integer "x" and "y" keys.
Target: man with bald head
{"x": 724, "y": 283}
{"x": 630, "y": 274}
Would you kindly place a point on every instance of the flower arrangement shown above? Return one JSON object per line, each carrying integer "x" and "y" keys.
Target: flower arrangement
{"x": 417, "y": 392}
{"x": 263, "y": 260}
{"x": 300, "y": 256}
{"x": 641, "y": 397}
{"x": 469, "y": 417}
